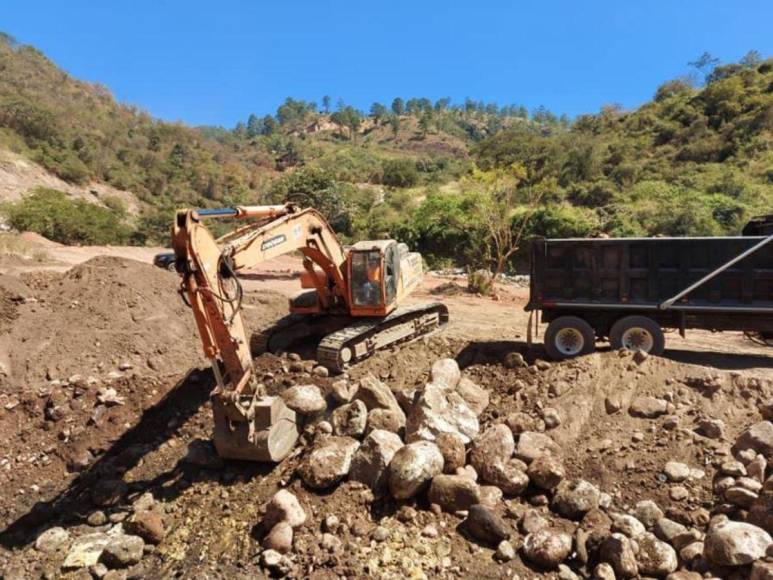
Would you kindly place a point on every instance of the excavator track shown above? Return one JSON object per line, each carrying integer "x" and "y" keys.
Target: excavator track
{"x": 359, "y": 341}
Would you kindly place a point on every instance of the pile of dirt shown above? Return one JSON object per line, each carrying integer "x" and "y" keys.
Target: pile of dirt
{"x": 108, "y": 314}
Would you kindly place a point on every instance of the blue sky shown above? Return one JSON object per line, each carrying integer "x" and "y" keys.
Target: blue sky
{"x": 206, "y": 62}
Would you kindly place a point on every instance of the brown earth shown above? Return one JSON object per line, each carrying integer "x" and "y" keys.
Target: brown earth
{"x": 112, "y": 322}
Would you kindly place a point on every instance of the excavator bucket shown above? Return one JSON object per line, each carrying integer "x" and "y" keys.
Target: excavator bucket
{"x": 269, "y": 436}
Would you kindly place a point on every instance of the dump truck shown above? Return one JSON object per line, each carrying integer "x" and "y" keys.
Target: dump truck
{"x": 628, "y": 290}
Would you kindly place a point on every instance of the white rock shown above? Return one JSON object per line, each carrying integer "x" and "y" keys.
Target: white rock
{"x": 370, "y": 465}
{"x": 52, "y": 540}
{"x": 284, "y": 507}
{"x": 735, "y": 544}
{"x": 445, "y": 373}
{"x": 328, "y": 462}
{"x": 412, "y": 468}
{"x": 439, "y": 411}
{"x": 304, "y": 399}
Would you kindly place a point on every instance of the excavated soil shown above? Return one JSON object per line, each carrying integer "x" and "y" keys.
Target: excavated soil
{"x": 117, "y": 324}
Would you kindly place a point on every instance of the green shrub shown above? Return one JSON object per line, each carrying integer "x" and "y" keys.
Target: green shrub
{"x": 60, "y": 218}
{"x": 400, "y": 173}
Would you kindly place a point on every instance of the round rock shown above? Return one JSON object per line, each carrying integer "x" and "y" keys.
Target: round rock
{"x": 413, "y": 467}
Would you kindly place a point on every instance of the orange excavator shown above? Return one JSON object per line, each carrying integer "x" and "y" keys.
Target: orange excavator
{"x": 350, "y": 296}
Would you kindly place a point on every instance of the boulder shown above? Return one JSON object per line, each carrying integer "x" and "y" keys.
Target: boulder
{"x": 453, "y": 492}
{"x": 648, "y": 512}
{"x": 711, "y": 428}
{"x": 284, "y": 507}
{"x": 413, "y": 467}
{"x": 201, "y": 453}
{"x": 655, "y": 558}
{"x": 349, "y": 420}
{"x": 376, "y": 395}
{"x": 85, "y": 551}
{"x": 343, "y": 391}
{"x": 735, "y": 544}
{"x": 451, "y": 445}
{"x": 648, "y": 407}
{"x": 123, "y": 551}
{"x": 52, "y": 540}
{"x": 547, "y": 548}
{"x": 440, "y": 411}
{"x": 279, "y": 538}
{"x": 494, "y": 446}
{"x": 627, "y": 525}
{"x": 510, "y": 477}
{"x": 546, "y": 472}
{"x": 761, "y": 512}
{"x": 616, "y": 551}
{"x": 304, "y": 399}
{"x": 532, "y": 445}
{"x": 485, "y": 526}
{"x": 477, "y": 398}
{"x": 758, "y": 437}
{"x": 676, "y": 471}
{"x": 370, "y": 464}
{"x": 514, "y": 360}
{"x": 147, "y": 524}
{"x": 574, "y": 498}
{"x": 328, "y": 462}
{"x": 385, "y": 420}
{"x": 445, "y": 373}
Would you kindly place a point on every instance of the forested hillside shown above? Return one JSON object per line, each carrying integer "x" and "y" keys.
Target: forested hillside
{"x": 449, "y": 178}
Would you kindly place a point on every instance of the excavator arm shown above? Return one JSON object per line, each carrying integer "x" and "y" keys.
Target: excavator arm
{"x": 211, "y": 287}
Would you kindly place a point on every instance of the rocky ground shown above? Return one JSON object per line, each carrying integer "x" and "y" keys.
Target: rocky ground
{"x": 465, "y": 454}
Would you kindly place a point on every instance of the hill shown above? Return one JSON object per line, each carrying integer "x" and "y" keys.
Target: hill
{"x": 693, "y": 161}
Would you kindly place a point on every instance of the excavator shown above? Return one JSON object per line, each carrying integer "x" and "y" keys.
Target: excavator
{"x": 351, "y": 296}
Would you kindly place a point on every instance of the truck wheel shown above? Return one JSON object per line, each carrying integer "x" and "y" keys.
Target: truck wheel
{"x": 568, "y": 337}
{"x": 636, "y": 333}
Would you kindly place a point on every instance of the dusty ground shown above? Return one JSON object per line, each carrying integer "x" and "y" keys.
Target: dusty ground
{"x": 79, "y": 321}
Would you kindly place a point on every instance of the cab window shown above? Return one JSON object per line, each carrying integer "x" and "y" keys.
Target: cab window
{"x": 392, "y": 271}
{"x": 366, "y": 279}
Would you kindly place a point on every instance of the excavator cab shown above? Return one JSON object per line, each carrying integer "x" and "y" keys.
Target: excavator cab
{"x": 374, "y": 271}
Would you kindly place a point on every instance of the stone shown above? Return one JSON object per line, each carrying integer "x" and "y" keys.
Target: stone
{"x": 376, "y": 395}
{"x": 342, "y": 391}
{"x": 328, "y": 462}
{"x": 108, "y": 492}
{"x": 532, "y": 521}
{"x": 505, "y": 551}
{"x": 574, "y": 498}
{"x": 733, "y": 468}
{"x": 284, "y": 507}
{"x": 485, "y": 526}
{"x": 304, "y": 399}
{"x": 148, "y": 525}
{"x": 551, "y": 417}
{"x": 201, "y": 453}
{"x": 684, "y": 575}
{"x": 381, "y": 534}
{"x": 514, "y": 360}
{"x": 277, "y": 563}
{"x": 413, "y": 467}
{"x": 546, "y": 472}
{"x": 52, "y": 540}
{"x": 691, "y": 552}
{"x": 655, "y": 558}
{"x": 370, "y": 465}
{"x": 510, "y": 477}
{"x": 758, "y": 437}
{"x": 676, "y": 471}
{"x": 762, "y": 571}
{"x": 123, "y": 551}
{"x": 85, "y": 551}
{"x": 445, "y": 373}
{"x": 477, "y": 398}
{"x": 493, "y": 447}
{"x": 440, "y": 411}
{"x": 735, "y": 544}
{"x": 453, "y": 492}
{"x": 350, "y": 420}
{"x": 331, "y": 543}
{"x": 711, "y": 428}
{"x": 740, "y": 497}
{"x": 627, "y": 525}
{"x": 648, "y": 407}
{"x": 547, "y": 548}
{"x": 385, "y": 420}
{"x": 320, "y": 371}
{"x": 451, "y": 445}
{"x": 757, "y": 467}
{"x": 490, "y": 495}
{"x": 761, "y": 511}
{"x": 667, "y": 529}
{"x": 520, "y": 422}
{"x": 678, "y": 493}
{"x": 279, "y": 538}
{"x": 613, "y": 404}
{"x": 648, "y": 512}
{"x": 532, "y": 445}
{"x": 616, "y": 550}
{"x": 603, "y": 571}
{"x": 109, "y": 397}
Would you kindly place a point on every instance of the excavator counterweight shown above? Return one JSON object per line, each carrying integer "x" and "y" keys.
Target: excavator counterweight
{"x": 351, "y": 298}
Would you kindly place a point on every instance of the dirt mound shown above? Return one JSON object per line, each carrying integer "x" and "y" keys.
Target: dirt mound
{"x": 105, "y": 313}
{"x": 449, "y": 289}
{"x": 12, "y": 292}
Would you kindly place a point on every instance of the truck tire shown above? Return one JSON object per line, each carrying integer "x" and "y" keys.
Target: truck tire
{"x": 568, "y": 337}
{"x": 636, "y": 333}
